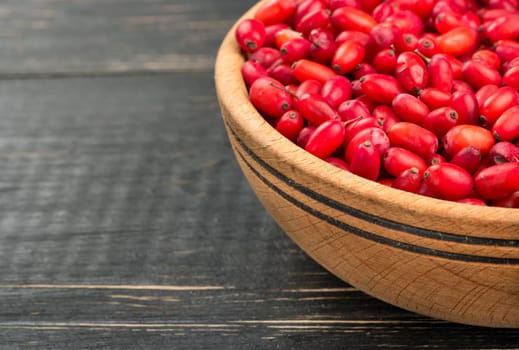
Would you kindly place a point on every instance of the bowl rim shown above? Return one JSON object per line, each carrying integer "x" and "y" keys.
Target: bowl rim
{"x": 232, "y": 95}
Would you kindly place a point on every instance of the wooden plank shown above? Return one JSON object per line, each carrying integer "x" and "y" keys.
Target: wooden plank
{"x": 158, "y": 319}
{"x": 93, "y": 37}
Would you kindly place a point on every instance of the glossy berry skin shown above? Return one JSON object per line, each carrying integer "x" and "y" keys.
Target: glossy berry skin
{"x": 381, "y": 87}
{"x": 250, "y": 34}
{"x": 408, "y": 180}
{"x": 362, "y": 69}
{"x": 409, "y": 108}
{"x": 313, "y": 20}
{"x": 484, "y": 92}
{"x": 285, "y": 35}
{"x": 458, "y": 41}
{"x": 413, "y": 138}
{"x": 270, "y": 33}
{"x": 275, "y": 11}
{"x": 510, "y": 201}
{"x": 326, "y": 139}
{"x": 411, "y": 71}
{"x": 365, "y": 161}
{"x": 304, "y": 135}
{"x": 506, "y": 127}
{"x": 290, "y": 125}
{"x": 488, "y": 57}
{"x": 406, "y": 42}
{"x": 466, "y": 105}
{"x": 270, "y": 97}
{"x": 336, "y": 90}
{"x": 495, "y": 104}
{"x": 335, "y": 4}
{"x": 323, "y": 45}
{"x": 511, "y": 77}
{"x": 355, "y": 126}
{"x": 295, "y": 49}
{"x": 304, "y": 8}
{"x": 479, "y": 74}
{"x": 350, "y": 18}
{"x": 507, "y": 50}
{"x": 469, "y": 158}
{"x": 376, "y": 136}
{"x": 305, "y": 69}
{"x": 427, "y": 46}
{"x": 461, "y": 86}
{"x": 353, "y": 110}
{"x": 385, "y": 117}
{"x": 385, "y": 61}
{"x": 440, "y": 120}
{"x": 441, "y": 74}
{"x": 265, "y": 56}
{"x": 384, "y": 34}
{"x": 251, "y": 71}
{"x": 282, "y": 72}
{"x": 316, "y": 110}
{"x": 464, "y": 135}
{"x": 448, "y": 181}
{"x": 396, "y": 160}
{"x": 503, "y": 28}
{"x": 348, "y": 55}
{"x": 434, "y": 98}
{"x": 497, "y": 181}
{"x": 503, "y": 152}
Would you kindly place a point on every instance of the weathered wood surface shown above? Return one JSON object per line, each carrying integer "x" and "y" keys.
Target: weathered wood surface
{"x": 124, "y": 219}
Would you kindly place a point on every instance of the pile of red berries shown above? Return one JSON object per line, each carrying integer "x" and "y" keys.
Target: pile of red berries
{"x": 420, "y": 95}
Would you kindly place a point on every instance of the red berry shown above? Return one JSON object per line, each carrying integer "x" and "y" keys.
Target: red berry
{"x": 497, "y": 181}
{"x": 409, "y": 180}
{"x": 414, "y": 138}
{"x": 348, "y": 55}
{"x": 397, "y": 159}
{"x": 326, "y": 139}
{"x": 381, "y": 87}
{"x": 464, "y": 135}
{"x": 290, "y": 125}
{"x": 250, "y": 34}
{"x": 336, "y": 90}
{"x": 365, "y": 161}
{"x": 270, "y": 97}
{"x": 506, "y": 127}
{"x": 448, "y": 181}
{"x": 275, "y": 11}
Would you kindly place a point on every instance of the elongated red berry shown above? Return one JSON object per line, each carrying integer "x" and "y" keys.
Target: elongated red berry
{"x": 448, "y": 181}
{"x": 365, "y": 161}
{"x": 250, "y": 34}
{"x": 326, "y": 139}
{"x": 497, "y": 181}
{"x": 270, "y": 97}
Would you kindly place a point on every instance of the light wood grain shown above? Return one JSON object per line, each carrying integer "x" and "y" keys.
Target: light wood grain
{"x": 438, "y": 258}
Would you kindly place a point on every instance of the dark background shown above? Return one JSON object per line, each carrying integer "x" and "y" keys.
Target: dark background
{"x": 124, "y": 219}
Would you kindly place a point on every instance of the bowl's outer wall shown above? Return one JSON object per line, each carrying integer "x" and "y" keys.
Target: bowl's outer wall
{"x": 445, "y": 260}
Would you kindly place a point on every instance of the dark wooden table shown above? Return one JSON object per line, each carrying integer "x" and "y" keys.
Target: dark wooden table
{"x": 124, "y": 219}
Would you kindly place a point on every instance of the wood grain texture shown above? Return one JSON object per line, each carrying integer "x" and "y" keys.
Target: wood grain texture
{"x": 438, "y": 258}
{"x": 99, "y": 37}
{"x": 125, "y": 222}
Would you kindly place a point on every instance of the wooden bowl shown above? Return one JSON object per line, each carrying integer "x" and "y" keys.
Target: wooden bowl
{"x": 442, "y": 259}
